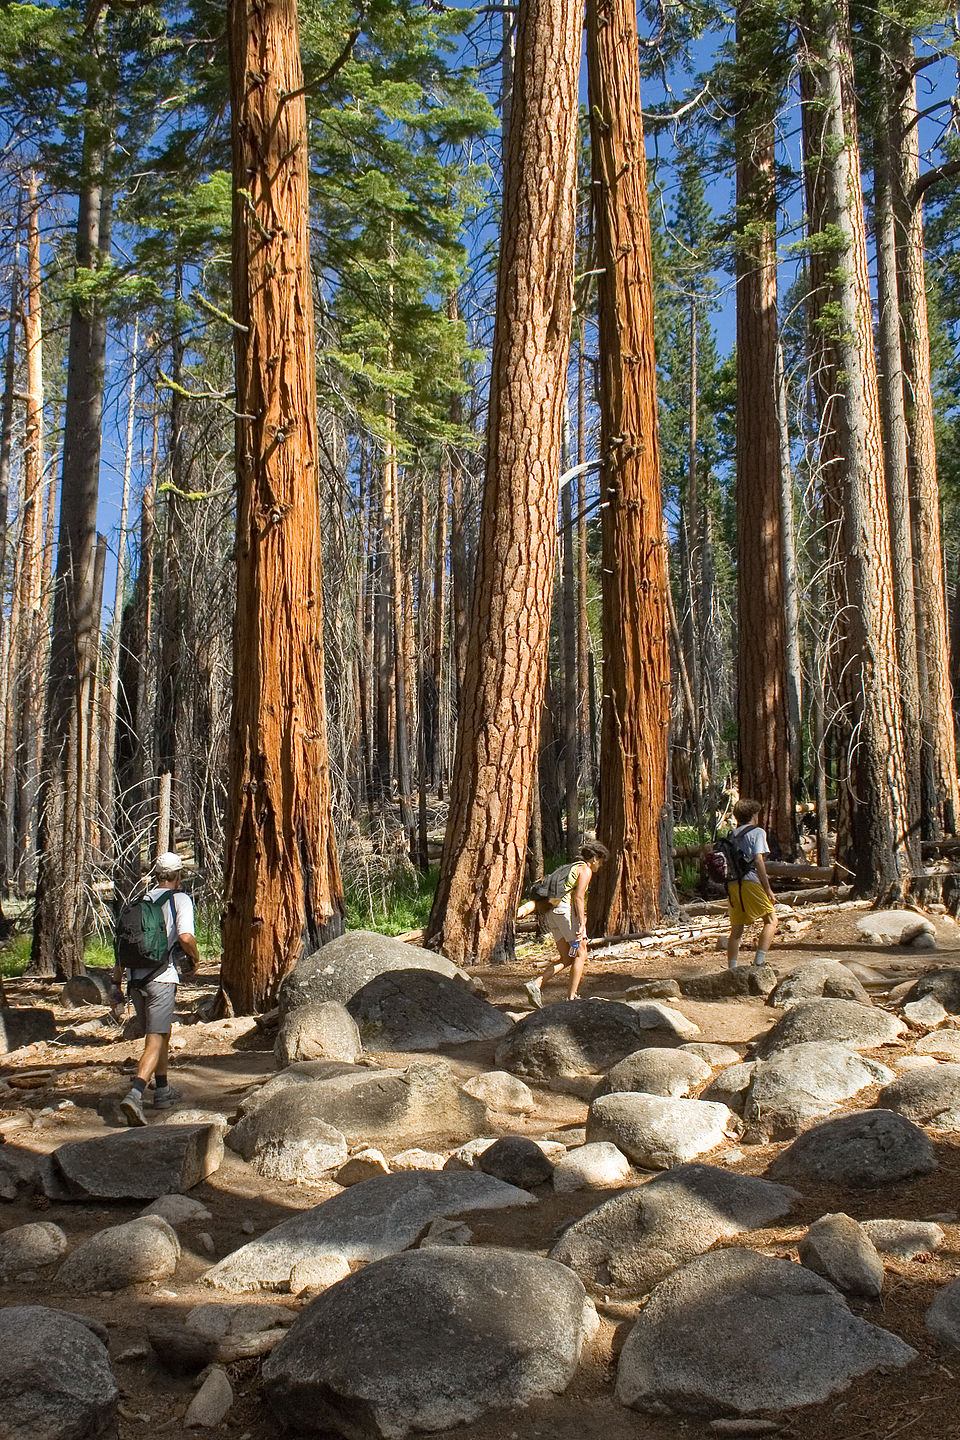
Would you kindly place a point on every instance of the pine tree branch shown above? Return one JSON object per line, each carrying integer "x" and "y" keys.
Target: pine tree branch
{"x": 930, "y": 177}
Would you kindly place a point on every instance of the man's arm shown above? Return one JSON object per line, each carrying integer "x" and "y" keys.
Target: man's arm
{"x": 188, "y": 944}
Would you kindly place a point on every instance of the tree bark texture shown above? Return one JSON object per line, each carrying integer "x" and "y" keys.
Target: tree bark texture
{"x": 764, "y": 723}
{"x": 282, "y": 888}
{"x": 58, "y": 921}
{"x": 634, "y": 732}
{"x": 882, "y": 849}
{"x": 495, "y": 766}
{"x": 935, "y": 691}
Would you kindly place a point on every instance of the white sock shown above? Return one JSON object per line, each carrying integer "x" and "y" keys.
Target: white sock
{"x": 760, "y": 958}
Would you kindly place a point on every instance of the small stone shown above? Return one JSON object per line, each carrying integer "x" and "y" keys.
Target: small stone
{"x": 28, "y": 1247}
{"x": 837, "y": 1248}
{"x": 467, "y": 1157}
{"x": 178, "y": 1210}
{"x": 502, "y": 1092}
{"x": 317, "y": 1274}
{"x": 416, "y": 1159}
{"x": 205, "y": 1241}
{"x": 715, "y": 1055}
{"x": 904, "y": 1239}
{"x": 247, "y": 1227}
{"x": 446, "y": 1232}
{"x": 517, "y": 1161}
{"x": 943, "y": 1315}
{"x": 928, "y": 1011}
{"x": 211, "y": 1402}
{"x": 597, "y": 1166}
{"x": 133, "y": 1353}
{"x": 362, "y": 1165}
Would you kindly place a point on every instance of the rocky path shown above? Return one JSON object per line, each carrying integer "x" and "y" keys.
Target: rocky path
{"x": 689, "y": 1204}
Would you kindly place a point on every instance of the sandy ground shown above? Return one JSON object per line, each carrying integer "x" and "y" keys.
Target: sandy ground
{"x": 213, "y": 1069}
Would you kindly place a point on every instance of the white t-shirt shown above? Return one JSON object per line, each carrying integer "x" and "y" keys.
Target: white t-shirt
{"x": 179, "y": 918}
{"x": 751, "y": 841}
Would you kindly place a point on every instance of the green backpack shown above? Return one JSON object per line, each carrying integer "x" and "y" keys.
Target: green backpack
{"x": 140, "y": 939}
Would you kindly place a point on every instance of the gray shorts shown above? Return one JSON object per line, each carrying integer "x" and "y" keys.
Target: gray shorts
{"x": 153, "y": 1004}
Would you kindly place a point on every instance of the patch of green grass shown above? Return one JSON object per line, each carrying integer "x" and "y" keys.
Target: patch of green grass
{"x": 391, "y": 909}
{"x": 15, "y": 955}
{"x": 689, "y": 835}
{"x": 688, "y": 875}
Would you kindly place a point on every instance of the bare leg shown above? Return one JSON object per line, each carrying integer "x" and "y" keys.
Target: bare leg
{"x": 154, "y": 1057}
{"x": 766, "y": 936}
{"x": 733, "y": 946}
{"x": 576, "y": 969}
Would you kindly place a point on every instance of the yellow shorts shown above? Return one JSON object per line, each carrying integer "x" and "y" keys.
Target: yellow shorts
{"x": 755, "y": 905}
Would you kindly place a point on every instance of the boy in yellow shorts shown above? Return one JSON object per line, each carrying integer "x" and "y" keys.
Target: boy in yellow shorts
{"x": 750, "y": 897}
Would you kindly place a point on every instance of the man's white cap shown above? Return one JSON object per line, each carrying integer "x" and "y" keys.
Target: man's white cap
{"x": 168, "y": 863}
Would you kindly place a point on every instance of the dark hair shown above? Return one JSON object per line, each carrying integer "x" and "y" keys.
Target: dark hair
{"x": 746, "y": 809}
{"x": 593, "y": 850}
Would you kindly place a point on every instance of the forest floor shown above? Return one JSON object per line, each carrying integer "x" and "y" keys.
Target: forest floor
{"x": 213, "y": 1064}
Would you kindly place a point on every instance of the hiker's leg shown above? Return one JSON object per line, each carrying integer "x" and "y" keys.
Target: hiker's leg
{"x": 766, "y": 938}
{"x": 733, "y": 946}
{"x": 154, "y": 1057}
{"x": 576, "y": 969}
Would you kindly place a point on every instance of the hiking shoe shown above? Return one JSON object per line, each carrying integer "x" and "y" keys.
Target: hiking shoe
{"x": 534, "y": 994}
{"x": 131, "y": 1108}
{"x": 164, "y": 1096}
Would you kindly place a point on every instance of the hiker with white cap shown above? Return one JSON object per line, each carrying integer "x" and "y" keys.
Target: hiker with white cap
{"x": 152, "y": 984}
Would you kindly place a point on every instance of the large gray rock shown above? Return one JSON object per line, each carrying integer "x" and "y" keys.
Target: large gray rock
{"x": 729, "y": 984}
{"x": 419, "y": 1010}
{"x": 56, "y": 1382}
{"x": 30, "y": 1247}
{"x": 139, "y": 1164}
{"x": 574, "y": 1037}
{"x": 425, "y": 1341}
{"x": 367, "y": 1222}
{"x": 368, "y": 1104}
{"x": 24, "y": 1027}
{"x": 943, "y": 984}
{"x": 317, "y": 1030}
{"x": 287, "y": 1138}
{"x": 943, "y": 1314}
{"x": 338, "y": 970}
{"x": 859, "y": 1027}
{"x": 930, "y": 1096}
{"x": 797, "y": 1086}
{"x": 737, "y": 1333}
{"x": 837, "y": 1248}
{"x": 631, "y": 1241}
{"x": 894, "y": 927}
{"x": 657, "y": 1071}
{"x": 904, "y": 1239}
{"x": 655, "y": 1132}
{"x": 865, "y": 1150}
{"x": 131, "y": 1254}
{"x": 669, "y": 1022}
{"x": 819, "y": 979}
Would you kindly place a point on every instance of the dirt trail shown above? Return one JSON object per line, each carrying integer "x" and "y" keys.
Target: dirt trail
{"x": 212, "y": 1067}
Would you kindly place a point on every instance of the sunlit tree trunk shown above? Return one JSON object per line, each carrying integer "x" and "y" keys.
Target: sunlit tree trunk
{"x": 935, "y": 687}
{"x": 282, "y": 888}
{"x": 881, "y": 845}
{"x": 58, "y": 919}
{"x": 486, "y": 836}
{"x": 628, "y": 893}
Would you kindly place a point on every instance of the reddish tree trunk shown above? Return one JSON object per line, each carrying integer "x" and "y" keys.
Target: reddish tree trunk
{"x": 485, "y": 842}
{"x": 628, "y": 893}
{"x": 283, "y": 880}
